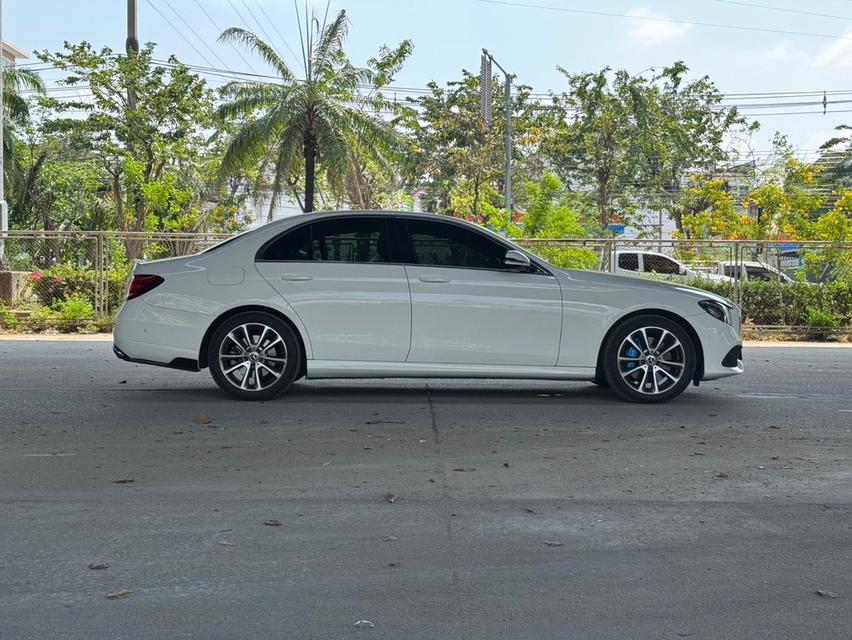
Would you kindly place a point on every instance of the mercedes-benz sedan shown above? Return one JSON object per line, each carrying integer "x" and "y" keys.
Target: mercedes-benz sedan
{"x": 389, "y": 295}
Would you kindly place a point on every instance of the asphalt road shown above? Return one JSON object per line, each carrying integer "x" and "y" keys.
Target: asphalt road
{"x": 523, "y": 510}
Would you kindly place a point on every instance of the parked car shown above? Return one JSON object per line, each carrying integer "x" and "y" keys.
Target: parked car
{"x": 388, "y": 295}
{"x": 652, "y": 263}
{"x": 753, "y": 271}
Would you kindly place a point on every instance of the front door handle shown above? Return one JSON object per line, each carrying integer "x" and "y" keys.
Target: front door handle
{"x": 434, "y": 279}
{"x": 296, "y": 277}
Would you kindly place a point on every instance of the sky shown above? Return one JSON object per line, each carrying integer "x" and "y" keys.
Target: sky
{"x": 528, "y": 37}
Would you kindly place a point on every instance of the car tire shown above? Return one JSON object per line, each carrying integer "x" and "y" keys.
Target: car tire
{"x": 254, "y": 356}
{"x": 649, "y": 358}
{"x": 601, "y": 381}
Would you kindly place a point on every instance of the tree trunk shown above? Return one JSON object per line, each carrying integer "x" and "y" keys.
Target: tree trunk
{"x": 310, "y": 172}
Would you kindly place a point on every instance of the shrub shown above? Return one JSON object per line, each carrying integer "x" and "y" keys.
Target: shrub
{"x": 41, "y": 318}
{"x": 568, "y": 257}
{"x": 74, "y": 313}
{"x": 821, "y": 324}
{"x": 8, "y": 320}
{"x": 793, "y": 305}
{"x": 62, "y": 281}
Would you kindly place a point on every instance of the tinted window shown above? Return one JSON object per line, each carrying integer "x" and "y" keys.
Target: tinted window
{"x": 757, "y": 273}
{"x": 449, "y": 245}
{"x": 659, "y": 264}
{"x": 337, "y": 240}
{"x": 350, "y": 240}
{"x": 293, "y": 245}
{"x": 628, "y": 261}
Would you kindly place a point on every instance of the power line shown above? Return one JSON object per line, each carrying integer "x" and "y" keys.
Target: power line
{"x": 178, "y": 31}
{"x": 195, "y": 33}
{"x": 260, "y": 24}
{"x": 218, "y": 30}
{"x": 694, "y": 23}
{"x": 783, "y": 9}
{"x": 283, "y": 39}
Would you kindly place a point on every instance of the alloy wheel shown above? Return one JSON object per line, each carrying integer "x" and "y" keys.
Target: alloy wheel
{"x": 253, "y": 356}
{"x": 651, "y": 360}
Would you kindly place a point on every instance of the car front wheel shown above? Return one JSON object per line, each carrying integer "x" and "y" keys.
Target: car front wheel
{"x": 254, "y": 356}
{"x": 649, "y": 358}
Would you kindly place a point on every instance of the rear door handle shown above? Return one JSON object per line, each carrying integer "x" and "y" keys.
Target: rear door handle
{"x": 434, "y": 279}
{"x": 296, "y": 277}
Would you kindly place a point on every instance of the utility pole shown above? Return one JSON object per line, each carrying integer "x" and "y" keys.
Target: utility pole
{"x": 4, "y": 208}
{"x": 487, "y": 59}
{"x": 131, "y": 45}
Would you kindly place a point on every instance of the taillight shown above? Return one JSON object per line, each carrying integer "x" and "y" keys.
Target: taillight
{"x": 142, "y": 284}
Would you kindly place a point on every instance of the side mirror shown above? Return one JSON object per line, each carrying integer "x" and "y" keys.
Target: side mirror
{"x": 517, "y": 260}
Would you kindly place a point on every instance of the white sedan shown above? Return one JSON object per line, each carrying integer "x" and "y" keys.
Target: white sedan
{"x": 388, "y": 295}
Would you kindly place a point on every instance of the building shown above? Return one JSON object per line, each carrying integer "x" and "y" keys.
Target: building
{"x": 11, "y": 54}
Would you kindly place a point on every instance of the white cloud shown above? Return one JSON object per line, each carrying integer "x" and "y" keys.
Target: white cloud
{"x": 654, "y": 31}
{"x": 781, "y": 52}
{"x": 837, "y": 55}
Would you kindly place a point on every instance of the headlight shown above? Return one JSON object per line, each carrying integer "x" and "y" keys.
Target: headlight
{"x": 717, "y": 310}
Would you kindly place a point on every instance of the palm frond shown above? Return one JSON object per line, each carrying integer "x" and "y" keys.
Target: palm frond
{"x": 238, "y": 35}
{"x": 330, "y": 43}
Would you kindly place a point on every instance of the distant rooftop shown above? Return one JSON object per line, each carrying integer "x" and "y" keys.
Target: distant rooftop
{"x": 11, "y": 53}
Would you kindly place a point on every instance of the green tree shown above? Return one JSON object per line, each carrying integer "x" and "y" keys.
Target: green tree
{"x": 458, "y": 159}
{"x": 295, "y": 123}
{"x": 630, "y": 139}
{"x": 151, "y": 147}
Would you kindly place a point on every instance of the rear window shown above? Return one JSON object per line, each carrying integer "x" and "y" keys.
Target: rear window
{"x": 628, "y": 261}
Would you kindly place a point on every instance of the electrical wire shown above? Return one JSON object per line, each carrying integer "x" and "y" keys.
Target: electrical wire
{"x": 195, "y": 33}
{"x": 178, "y": 31}
{"x": 695, "y": 23}
{"x": 218, "y": 30}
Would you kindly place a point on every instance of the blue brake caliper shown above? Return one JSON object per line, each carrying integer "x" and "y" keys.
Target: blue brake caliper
{"x": 632, "y": 353}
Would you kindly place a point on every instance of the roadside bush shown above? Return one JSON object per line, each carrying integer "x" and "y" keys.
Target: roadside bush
{"x": 8, "y": 320}
{"x": 794, "y": 305}
{"x": 60, "y": 282}
{"x": 74, "y": 313}
{"x": 821, "y": 324}
{"x": 63, "y": 281}
{"x": 40, "y": 319}
{"x": 568, "y": 257}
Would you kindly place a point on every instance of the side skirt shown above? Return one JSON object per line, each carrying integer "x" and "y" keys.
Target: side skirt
{"x": 352, "y": 369}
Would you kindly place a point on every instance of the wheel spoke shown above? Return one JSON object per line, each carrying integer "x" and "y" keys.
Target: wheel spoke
{"x": 274, "y": 373}
{"x": 675, "y": 345}
{"x": 271, "y": 359}
{"x": 235, "y": 367}
{"x": 645, "y": 337}
{"x": 634, "y": 345}
{"x": 670, "y": 376}
{"x": 629, "y": 372}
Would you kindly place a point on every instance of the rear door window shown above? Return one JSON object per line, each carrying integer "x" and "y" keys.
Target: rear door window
{"x": 628, "y": 261}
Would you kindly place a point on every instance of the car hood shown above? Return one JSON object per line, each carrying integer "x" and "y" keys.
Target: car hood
{"x": 636, "y": 282}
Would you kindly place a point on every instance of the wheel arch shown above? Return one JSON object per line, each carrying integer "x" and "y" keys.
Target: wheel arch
{"x": 683, "y": 322}
{"x": 230, "y": 313}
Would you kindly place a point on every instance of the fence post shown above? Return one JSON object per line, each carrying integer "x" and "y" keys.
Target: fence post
{"x": 100, "y": 278}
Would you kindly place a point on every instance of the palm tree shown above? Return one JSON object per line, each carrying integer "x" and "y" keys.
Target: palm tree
{"x": 315, "y": 119}
{"x": 16, "y": 111}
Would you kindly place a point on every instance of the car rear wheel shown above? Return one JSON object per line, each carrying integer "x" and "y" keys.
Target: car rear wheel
{"x": 649, "y": 358}
{"x": 254, "y": 356}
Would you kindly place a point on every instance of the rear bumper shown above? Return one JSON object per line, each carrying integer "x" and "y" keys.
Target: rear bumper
{"x": 184, "y": 364}
{"x": 158, "y": 336}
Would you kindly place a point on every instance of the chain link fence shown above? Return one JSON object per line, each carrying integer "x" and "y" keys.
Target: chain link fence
{"x": 71, "y": 281}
